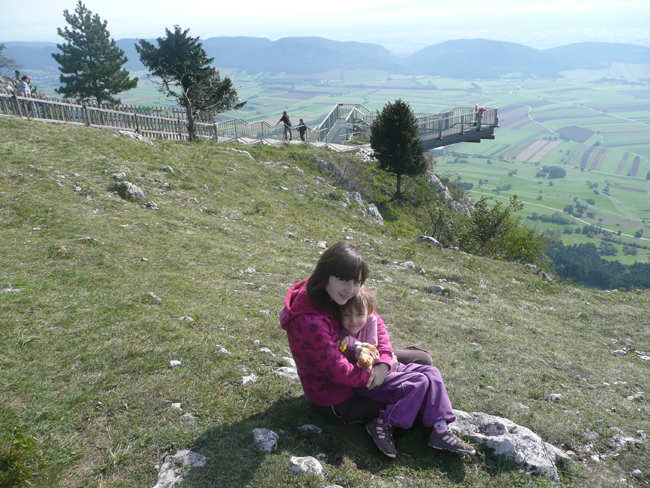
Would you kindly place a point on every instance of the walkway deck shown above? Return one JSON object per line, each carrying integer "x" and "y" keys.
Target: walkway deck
{"x": 342, "y": 123}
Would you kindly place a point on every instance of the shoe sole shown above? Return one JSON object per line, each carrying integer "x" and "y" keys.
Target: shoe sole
{"x": 387, "y": 454}
{"x": 455, "y": 451}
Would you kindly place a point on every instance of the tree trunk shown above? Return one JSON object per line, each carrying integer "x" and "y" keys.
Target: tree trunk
{"x": 191, "y": 129}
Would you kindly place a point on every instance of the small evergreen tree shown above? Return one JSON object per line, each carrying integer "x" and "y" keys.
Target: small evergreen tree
{"x": 185, "y": 74}
{"x": 90, "y": 61}
{"x": 394, "y": 138}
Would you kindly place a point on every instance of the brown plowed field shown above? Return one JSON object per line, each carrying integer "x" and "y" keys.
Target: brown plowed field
{"x": 621, "y": 165}
{"x": 595, "y": 163}
{"x": 585, "y": 157}
{"x": 530, "y": 150}
{"x": 543, "y": 151}
{"x": 635, "y": 166}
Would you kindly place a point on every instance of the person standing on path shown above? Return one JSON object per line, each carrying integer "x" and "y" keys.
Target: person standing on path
{"x": 24, "y": 90}
{"x": 287, "y": 124}
{"x": 302, "y": 128}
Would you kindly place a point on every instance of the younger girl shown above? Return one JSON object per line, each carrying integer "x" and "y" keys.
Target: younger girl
{"x": 408, "y": 390}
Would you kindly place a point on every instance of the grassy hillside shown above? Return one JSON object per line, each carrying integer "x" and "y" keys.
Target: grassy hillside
{"x": 85, "y": 382}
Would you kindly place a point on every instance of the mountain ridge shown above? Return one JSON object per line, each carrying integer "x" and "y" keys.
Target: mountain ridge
{"x": 460, "y": 58}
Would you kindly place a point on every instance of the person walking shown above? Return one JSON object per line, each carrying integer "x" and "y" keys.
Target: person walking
{"x": 287, "y": 124}
{"x": 302, "y": 128}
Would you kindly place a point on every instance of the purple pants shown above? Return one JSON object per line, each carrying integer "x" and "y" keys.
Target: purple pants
{"x": 412, "y": 390}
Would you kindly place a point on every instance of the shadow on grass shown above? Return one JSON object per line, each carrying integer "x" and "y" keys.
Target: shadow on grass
{"x": 386, "y": 212}
{"x": 232, "y": 459}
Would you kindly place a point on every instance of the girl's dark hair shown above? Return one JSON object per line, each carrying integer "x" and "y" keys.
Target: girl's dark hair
{"x": 341, "y": 260}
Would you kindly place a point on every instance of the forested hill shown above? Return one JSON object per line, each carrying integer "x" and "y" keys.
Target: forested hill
{"x": 461, "y": 58}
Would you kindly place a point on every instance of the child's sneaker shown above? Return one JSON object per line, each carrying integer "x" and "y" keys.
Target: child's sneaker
{"x": 449, "y": 442}
{"x": 382, "y": 435}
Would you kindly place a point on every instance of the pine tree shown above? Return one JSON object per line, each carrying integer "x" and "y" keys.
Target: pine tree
{"x": 90, "y": 61}
{"x": 394, "y": 138}
{"x": 185, "y": 73}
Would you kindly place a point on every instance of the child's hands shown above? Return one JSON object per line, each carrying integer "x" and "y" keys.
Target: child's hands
{"x": 364, "y": 346}
{"x": 344, "y": 343}
{"x": 366, "y": 355}
{"x": 393, "y": 367}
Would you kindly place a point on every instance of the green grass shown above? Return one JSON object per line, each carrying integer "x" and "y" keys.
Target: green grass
{"x": 85, "y": 382}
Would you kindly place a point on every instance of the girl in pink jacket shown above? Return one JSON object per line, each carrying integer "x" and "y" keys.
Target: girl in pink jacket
{"x": 339, "y": 389}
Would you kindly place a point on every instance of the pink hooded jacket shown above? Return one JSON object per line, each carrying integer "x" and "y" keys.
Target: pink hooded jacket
{"x": 327, "y": 377}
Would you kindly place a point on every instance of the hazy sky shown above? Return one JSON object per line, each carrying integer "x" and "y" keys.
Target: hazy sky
{"x": 399, "y": 26}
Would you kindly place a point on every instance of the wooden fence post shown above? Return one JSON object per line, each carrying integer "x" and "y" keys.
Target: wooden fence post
{"x": 20, "y": 110}
{"x": 84, "y": 113}
{"x": 216, "y": 132}
{"x": 137, "y": 126}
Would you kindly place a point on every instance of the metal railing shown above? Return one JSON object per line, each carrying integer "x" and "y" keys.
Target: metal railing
{"x": 132, "y": 118}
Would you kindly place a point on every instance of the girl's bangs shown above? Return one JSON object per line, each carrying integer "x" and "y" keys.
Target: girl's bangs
{"x": 351, "y": 268}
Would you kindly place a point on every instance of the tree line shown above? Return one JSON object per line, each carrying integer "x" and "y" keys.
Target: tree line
{"x": 92, "y": 67}
{"x": 582, "y": 264}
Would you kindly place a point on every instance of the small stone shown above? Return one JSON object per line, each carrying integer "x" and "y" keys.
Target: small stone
{"x": 176, "y": 407}
{"x": 637, "y": 473}
{"x": 174, "y": 362}
{"x": 620, "y": 352}
{"x": 152, "y": 205}
{"x": 221, "y": 350}
{"x": 167, "y": 169}
{"x": 287, "y": 361}
{"x": 186, "y": 318}
{"x": 119, "y": 176}
{"x": 144, "y": 260}
{"x": 322, "y": 244}
{"x": 36, "y": 228}
{"x": 287, "y": 372}
{"x": 265, "y": 440}
{"x": 307, "y": 464}
{"x": 153, "y": 299}
{"x": 553, "y": 397}
{"x": 267, "y": 351}
{"x": 638, "y": 397}
{"x": 249, "y": 379}
{"x": 310, "y": 429}
{"x": 189, "y": 418}
{"x": 11, "y": 289}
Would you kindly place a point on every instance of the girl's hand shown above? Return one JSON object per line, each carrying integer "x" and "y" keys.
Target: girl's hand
{"x": 377, "y": 375}
{"x": 361, "y": 346}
